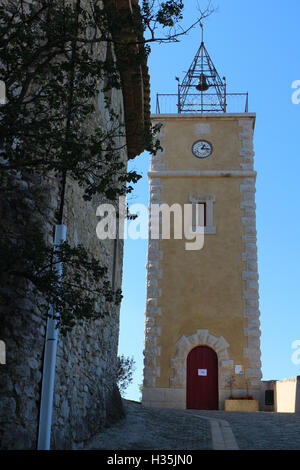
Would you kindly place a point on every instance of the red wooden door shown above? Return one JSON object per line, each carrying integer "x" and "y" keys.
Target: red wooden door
{"x": 202, "y": 379}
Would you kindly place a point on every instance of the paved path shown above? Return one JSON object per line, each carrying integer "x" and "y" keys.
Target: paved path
{"x": 261, "y": 430}
{"x": 157, "y": 428}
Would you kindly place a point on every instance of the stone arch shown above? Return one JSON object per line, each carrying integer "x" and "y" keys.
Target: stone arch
{"x": 201, "y": 338}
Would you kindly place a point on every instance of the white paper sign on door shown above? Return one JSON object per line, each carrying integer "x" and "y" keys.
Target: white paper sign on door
{"x": 202, "y": 372}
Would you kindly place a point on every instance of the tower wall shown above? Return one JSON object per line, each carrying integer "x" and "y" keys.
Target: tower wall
{"x": 207, "y": 296}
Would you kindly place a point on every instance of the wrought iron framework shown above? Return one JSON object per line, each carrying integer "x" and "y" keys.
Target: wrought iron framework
{"x": 235, "y": 103}
{"x": 202, "y": 76}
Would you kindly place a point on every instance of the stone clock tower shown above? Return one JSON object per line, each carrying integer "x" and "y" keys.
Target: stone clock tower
{"x": 202, "y": 336}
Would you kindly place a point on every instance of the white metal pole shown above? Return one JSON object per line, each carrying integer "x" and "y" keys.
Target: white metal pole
{"x": 50, "y": 359}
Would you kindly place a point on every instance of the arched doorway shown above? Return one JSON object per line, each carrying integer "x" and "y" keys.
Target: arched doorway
{"x": 202, "y": 379}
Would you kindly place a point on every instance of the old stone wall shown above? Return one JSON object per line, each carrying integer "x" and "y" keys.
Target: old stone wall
{"x": 86, "y": 397}
{"x": 21, "y": 327}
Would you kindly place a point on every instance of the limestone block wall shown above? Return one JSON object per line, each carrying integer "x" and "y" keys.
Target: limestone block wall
{"x": 227, "y": 184}
{"x": 250, "y": 274}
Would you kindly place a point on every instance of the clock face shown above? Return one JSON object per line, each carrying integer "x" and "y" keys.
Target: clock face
{"x": 202, "y": 149}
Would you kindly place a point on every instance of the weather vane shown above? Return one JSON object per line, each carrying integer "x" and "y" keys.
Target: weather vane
{"x": 201, "y": 25}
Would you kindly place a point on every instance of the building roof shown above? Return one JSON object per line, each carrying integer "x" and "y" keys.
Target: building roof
{"x": 127, "y": 34}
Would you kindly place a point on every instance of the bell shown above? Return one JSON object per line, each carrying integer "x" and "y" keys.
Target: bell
{"x": 202, "y": 84}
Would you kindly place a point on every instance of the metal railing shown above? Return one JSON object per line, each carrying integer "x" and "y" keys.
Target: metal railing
{"x": 202, "y": 103}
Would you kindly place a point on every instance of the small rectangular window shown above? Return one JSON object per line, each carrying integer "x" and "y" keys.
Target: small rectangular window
{"x": 201, "y": 214}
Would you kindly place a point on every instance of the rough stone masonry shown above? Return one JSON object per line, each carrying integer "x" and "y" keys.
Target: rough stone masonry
{"x": 86, "y": 397}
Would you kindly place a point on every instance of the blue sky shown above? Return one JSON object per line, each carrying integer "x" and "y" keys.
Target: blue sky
{"x": 255, "y": 44}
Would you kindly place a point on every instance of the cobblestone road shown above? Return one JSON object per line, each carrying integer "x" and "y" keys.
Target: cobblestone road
{"x": 261, "y": 430}
{"x": 152, "y": 428}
